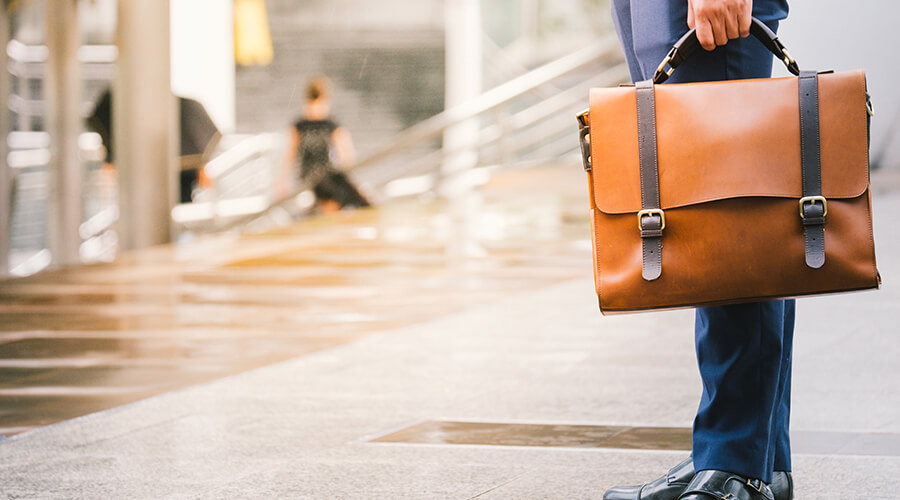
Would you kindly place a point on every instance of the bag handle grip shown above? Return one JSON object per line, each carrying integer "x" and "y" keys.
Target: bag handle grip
{"x": 689, "y": 43}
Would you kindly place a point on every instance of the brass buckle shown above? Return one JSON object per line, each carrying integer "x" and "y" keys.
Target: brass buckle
{"x": 647, "y": 213}
{"x": 813, "y": 200}
{"x": 756, "y": 484}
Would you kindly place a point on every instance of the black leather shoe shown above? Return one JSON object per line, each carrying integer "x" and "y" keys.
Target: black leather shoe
{"x": 667, "y": 487}
{"x": 718, "y": 485}
{"x": 670, "y": 486}
{"x": 782, "y": 485}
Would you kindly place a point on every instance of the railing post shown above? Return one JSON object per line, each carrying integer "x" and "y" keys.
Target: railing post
{"x": 216, "y": 191}
{"x": 505, "y": 153}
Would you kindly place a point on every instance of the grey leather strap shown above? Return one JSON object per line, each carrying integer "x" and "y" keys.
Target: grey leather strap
{"x": 813, "y": 210}
{"x": 651, "y": 224}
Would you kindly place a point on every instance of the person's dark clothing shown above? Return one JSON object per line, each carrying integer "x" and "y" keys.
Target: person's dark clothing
{"x": 315, "y": 146}
{"x": 198, "y": 131}
{"x": 317, "y": 168}
{"x": 199, "y": 136}
{"x": 187, "y": 182}
{"x": 100, "y": 122}
{"x": 649, "y": 28}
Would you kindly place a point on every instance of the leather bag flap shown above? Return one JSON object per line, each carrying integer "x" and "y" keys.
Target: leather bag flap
{"x": 736, "y": 139}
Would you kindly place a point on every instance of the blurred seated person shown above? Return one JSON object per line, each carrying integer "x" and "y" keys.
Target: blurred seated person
{"x": 199, "y": 139}
{"x": 318, "y": 151}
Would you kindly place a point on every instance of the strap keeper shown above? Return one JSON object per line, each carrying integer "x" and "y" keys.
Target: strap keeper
{"x": 813, "y": 221}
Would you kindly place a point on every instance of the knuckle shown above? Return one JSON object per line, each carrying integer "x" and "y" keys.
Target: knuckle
{"x": 707, "y": 12}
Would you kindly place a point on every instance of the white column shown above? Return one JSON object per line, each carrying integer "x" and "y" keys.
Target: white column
{"x": 203, "y": 62}
{"x": 5, "y": 184}
{"x": 463, "y": 76}
{"x": 62, "y": 101}
{"x": 145, "y": 124}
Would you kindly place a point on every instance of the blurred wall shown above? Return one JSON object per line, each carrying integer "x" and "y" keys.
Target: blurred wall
{"x": 385, "y": 59}
{"x": 358, "y": 14}
{"x": 841, "y": 35}
{"x": 202, "y": 40}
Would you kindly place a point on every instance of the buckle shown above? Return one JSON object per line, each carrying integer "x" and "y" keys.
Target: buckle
{"x": 755, "y": 484}
{"x": 812, "y": 200}
{"x": 648, "y": 213}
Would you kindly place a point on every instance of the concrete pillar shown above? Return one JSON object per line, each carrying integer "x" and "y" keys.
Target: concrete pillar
{"x": 5, "y": 185}
{"x": 463, "y": 76}
{"x": 145, "y": 124}
{"x": 62, "y": 98}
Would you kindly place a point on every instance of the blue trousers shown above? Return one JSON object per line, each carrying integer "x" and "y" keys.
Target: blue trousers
{"x": 743, "y": 351}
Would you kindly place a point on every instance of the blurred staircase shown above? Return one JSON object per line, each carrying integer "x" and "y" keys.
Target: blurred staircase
{"x": 389, "y": 89}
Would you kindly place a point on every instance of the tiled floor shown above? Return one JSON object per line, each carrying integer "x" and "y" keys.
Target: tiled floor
{"x": 504, "y": 383}
{"x": 79, "y": 340}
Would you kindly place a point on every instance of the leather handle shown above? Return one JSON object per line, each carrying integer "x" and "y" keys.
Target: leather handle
{"x": 688, "y": 43}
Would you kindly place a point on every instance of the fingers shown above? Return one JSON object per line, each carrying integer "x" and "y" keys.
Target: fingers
{"x": 705, "y": 34}
{"x": 718, "y": 21}
{"x": 718, "y": 29}
{"x": 732, "y": 29}
{"x": 690, "y": 17}
{"x": 744, "y": 18}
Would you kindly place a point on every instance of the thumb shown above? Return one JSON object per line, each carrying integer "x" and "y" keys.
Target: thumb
{"x": 690, "y": 15}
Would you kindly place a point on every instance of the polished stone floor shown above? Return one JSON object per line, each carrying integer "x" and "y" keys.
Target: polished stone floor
{"x": 382, "y": 355}
{"x": 79, "y": 340}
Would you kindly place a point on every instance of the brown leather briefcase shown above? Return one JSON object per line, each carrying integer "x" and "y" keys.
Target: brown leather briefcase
{"x": 728, "y": 192}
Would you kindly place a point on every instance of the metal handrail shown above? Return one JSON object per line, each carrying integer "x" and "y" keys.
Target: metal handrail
{"x": 241, "y": 153}
{"x": 19, "y": 52}
{"x": 498, "y": 61}
{"x": 434, "y": 127}
{"x": 537, "y": 112}
{"x": 529, "y": 82}
{"x": 28, "y": 159}
{"x": 219, "y": 202}
{"x": 437, "y": 124}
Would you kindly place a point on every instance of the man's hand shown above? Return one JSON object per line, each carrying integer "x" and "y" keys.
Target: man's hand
{"x": 718, "y": 21}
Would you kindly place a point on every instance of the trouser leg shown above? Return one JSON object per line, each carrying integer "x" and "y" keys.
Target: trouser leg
{"x": 744, "y": 351}
{"x": 781, "y": 430}
{"x": 744, "y": 357}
